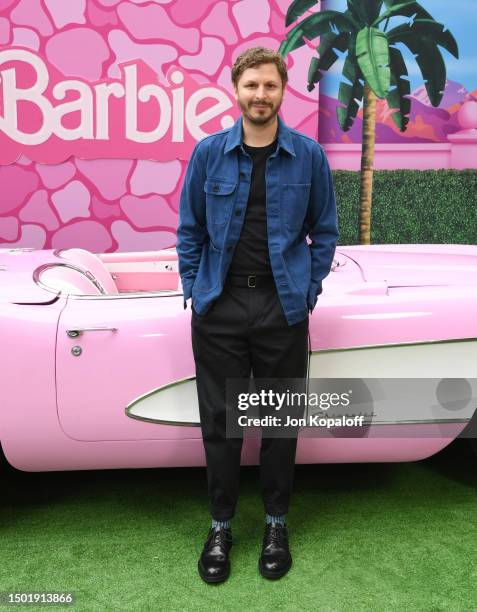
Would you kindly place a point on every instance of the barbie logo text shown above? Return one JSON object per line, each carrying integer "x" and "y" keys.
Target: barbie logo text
{"x": 41, "y": 112}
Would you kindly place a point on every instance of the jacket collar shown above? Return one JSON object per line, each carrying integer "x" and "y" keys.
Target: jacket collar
{"x": 234, "y": 138}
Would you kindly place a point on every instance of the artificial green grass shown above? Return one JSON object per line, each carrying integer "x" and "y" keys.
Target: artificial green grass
{"x": 363, "y": 537}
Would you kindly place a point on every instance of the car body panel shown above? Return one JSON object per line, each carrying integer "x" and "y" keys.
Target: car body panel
{"x": 386, "y": 311}
{"x": 417, "y": 264}
{"x": 145, "y": 344}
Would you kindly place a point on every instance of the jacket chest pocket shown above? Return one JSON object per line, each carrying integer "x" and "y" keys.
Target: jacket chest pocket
{"x": 295, "y": 198}
{"x": 220, "y": 196}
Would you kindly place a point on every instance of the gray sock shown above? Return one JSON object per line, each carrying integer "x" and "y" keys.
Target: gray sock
{"x": 275, "y": 518}
{"x": 220, "y": 524}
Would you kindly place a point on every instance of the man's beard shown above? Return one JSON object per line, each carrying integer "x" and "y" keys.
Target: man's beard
{"x": 260, "y": 120}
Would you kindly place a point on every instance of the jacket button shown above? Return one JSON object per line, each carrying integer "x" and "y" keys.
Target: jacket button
{"x": 229, "y": 249}
{"x": 242, "y": 175}
{"x": 215, "y": 188}
{"x": 238, "y": 213}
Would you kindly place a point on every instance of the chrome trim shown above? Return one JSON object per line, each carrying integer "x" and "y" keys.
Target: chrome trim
{"x": 382, "y": 423}
{"x": 187, "y": 424}
{"x": 411, "y": 343}
{"x": 74, "y": 333}
{"x": 180, "y": 381}
{"x": 162, "y": 422}
{"x": 371, "y": 425}
{"x": 337, "y": 264}
{"x": 153, "y": 392}
{"x": 121, "y": 296}
{"x": 30, "y": 303}
{"x": 422, "y": 422}
{"x": 361, "y": 271}
{"x": 37, "y": 273}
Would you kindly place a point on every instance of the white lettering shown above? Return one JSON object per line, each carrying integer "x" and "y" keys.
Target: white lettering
{"x": 193, "y": 120}
{"x": 144, "y": 95}
{"x": 178, "y": 108}
{"x": 83, "y": 104}
{"x": 103, "y": 92}
{"x": 91, "y": 104}
{"x": 34, "y": 94}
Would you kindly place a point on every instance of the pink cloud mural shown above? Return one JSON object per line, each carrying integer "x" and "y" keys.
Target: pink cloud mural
{"x": 65, "y": 197}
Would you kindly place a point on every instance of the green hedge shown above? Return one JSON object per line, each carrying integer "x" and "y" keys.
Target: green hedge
{"x": 411, "y": 206}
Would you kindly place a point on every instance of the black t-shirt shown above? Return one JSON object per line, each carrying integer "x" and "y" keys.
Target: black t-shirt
{"x": 251, "y": 253}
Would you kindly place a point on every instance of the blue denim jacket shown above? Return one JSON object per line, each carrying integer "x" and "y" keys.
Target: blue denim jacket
{"x": 300, "y": 202}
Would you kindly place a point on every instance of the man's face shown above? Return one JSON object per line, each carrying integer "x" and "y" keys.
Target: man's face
{"x": 259, "y": 93}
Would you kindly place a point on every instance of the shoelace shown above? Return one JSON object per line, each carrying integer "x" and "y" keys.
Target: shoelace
{"x": 219, "y": 537}
{"x": 276, "y": 535}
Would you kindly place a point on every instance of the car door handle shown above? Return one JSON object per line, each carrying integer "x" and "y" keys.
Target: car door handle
{"x": 74, "y": 333}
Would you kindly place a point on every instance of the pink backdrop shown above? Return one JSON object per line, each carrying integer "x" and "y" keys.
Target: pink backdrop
{"x": 129, "y": 204}
{"x": 114, "y": 194}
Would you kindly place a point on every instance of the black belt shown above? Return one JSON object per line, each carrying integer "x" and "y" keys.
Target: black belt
{"x": 251, "y": 281}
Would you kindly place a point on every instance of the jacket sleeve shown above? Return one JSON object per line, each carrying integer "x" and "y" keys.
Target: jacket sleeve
{"x": 323, "y": 224}
{"x": 192, "y": 230}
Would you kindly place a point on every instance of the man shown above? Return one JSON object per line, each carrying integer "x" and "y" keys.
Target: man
{"x": 251, "y": 195}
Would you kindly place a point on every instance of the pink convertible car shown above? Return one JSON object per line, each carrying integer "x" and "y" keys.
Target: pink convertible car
{"x": 97, "y": 368}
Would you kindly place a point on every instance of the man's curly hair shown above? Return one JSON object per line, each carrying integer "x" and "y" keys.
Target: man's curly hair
{"x": 251, "y": 58}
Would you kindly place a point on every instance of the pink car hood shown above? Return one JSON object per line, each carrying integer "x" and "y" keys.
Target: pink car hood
{"x": 416, "y": 264}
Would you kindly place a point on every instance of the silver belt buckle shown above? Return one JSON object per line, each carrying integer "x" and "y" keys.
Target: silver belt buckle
{"x": 251, "y": 281}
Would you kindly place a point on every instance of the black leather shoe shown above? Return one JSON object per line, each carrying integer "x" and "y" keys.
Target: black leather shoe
{"x": 275, "y": 560}
{"x": 214, "y": 564}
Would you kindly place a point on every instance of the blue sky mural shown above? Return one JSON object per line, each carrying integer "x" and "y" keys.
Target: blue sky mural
{"x": 460, "y": 17}
{"x": 428, "y": 124}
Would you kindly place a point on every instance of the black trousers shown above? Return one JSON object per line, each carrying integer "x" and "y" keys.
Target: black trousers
{"x": 244, "y": 332}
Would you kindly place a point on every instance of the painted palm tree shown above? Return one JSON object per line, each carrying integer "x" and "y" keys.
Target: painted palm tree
{"x": 374, "y": 66}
